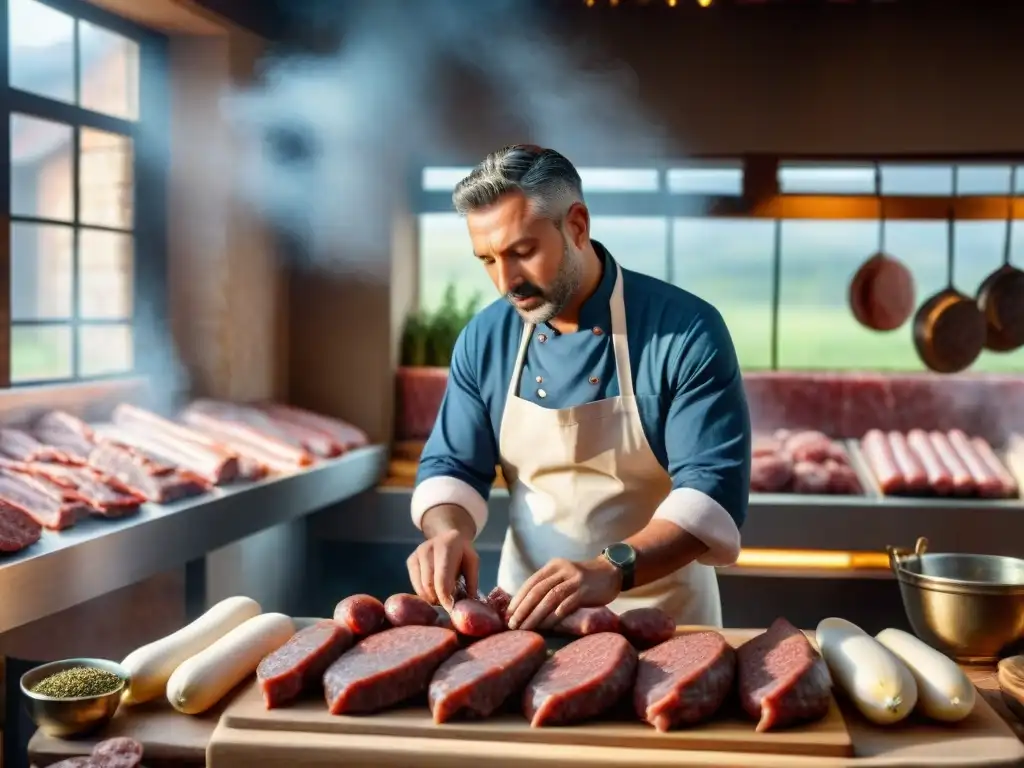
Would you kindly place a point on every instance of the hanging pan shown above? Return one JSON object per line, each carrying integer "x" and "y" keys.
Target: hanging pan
{"x": 949, "y": 329}
{"x": 882, "y": 290}
{"x": 1001, "y": 295}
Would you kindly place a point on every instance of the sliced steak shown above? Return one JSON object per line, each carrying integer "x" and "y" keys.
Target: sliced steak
{"x": 386, "y": 668}
{"x": 684, "y": 680}
{"x": 18, "y": 530}
{"x": 301, "y": 662}
{"x": 580, "y": 681}
{"x": 646, "y": 627}
{"x": 782, "y": 679}
{"x": 588, "y": 621}
{"x": 478, "y": 679}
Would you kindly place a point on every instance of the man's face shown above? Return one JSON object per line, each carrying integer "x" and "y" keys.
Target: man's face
{"x": 532, "y": 261}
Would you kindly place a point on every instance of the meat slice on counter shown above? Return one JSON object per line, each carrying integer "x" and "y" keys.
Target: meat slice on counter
{"x": 581, "y": 680}
{"x": 1008, "y": 485}
{"x": 248, "y": 432}
{"x": 362, "y": 614}
{"x": 939, "y": 478}
{"x": 404, "y": 610}
{"x": 153, "y": 481}
{"x": 914, "y": 476}
{"x": 782, "y": 678}
{"x": 685, "y": 680}
{"x": 476, "y": 618}
{"x": 20, "y": 445}
{"x": 342, "y": 436}
{"x": 770, "y": 473}
{"x": 105, "y": 496}
{"x": 963, "y": 482}
{"x": 386, "y": 668}
{"x": 588, "y": 621}
{"x": 18, "y": 530}
{"x": 49, "y": 504}
{"x": 985, "y": 480}
{"x": 646, "y": 627}
{"x": 66, "y": 433}
{"x": 301, "y": 662}
{"x": 878, "y": 455}
{"x": 477, "y": 680}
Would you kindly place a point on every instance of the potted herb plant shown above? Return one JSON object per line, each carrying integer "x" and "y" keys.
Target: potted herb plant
{"x": 427, "y": 343}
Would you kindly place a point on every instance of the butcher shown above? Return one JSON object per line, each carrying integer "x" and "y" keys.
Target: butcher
{"x": 611, "y": 400}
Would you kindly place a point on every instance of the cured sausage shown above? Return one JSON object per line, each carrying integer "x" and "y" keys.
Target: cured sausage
{"x": 940, "y": 480}
{"x": 963, "y": 482}
{"x": 646, "y": 627}
{"x": 588, "y": 621}
{"x": 986, "y": 454}
{"x": 404, "y": 610}
{"x": 362, "y": 614}
{"x": 474, "y": 618}
{"x": 915, "y": 478}
{"x": 984, "y": 478}
{"x": 878, "y": 454}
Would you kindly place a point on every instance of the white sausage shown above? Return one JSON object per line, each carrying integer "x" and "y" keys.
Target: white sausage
{"x": 209, "y": 676}
{"x": 944, "y": 692}
{"x": 877, "y": 682}
{"x": 151, "y": 665}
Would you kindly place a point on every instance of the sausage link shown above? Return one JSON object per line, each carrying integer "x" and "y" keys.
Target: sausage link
{"x": 910, "y": 467}
{"x": 986, "y": 480}
{"x": 985, "y": 452}
{"x": 878, "y": 454}
{"x": 939, "y": 479}
{"x": 963, "y": 481}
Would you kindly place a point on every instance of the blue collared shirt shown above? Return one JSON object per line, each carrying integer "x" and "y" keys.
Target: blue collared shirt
{"x": 687, "y": 381}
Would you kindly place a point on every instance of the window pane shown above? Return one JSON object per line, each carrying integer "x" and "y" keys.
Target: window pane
{"x": 104, "y": 275}
{"x": 446, "y": 256}
{"x": 109, "y": 71}
{"x": 41, "y": 271}
{"x": 833, "y": 179}
{"x": 40, "y": 168}
{"x": 42, "y": 50}
{"x": 619, "y": 179}
{"x": 983, "y": 180}
{"x": 104, "y": 349}
{"x": 728, "y": 262}
{"x": 443, "y": 179}
{"x": 922, "y": 180}
{"x": 40, "y": 352}
{"x": 636, "y": 242}
{"x": 106, "y": 183}
{"x": 720, "y": 180}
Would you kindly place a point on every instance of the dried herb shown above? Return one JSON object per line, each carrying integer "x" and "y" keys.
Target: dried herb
{"x": 77, "y": 682}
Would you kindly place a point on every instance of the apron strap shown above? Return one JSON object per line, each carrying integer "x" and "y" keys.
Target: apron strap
{"x": 517, "y": 370}
{"x": 620, "y": 344}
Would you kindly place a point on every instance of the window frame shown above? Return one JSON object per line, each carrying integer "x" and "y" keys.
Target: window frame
{"x": 149, "y": 135}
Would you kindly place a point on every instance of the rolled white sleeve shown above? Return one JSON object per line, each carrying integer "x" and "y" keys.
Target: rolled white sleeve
{"x": 706, "y": 519}
{"x": 438, "y": 490}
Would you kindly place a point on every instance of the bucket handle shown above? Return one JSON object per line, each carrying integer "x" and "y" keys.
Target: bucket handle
{"x": 896, "y": 554}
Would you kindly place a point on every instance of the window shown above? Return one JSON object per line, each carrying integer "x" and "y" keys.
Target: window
{"x": 75, "y": 127}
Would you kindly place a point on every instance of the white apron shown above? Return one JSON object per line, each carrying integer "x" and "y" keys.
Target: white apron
{"x": 584, "y": 477}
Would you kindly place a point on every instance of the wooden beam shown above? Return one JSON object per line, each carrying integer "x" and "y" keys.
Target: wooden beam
{"x": 172, "y": 17}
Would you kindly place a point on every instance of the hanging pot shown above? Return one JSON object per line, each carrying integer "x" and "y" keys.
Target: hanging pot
{"x": 882, "y": 290}
{"x": 1001, "y": 294}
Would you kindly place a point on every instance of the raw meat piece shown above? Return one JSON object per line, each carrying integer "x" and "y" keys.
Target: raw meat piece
{"x": 405, "y": 610}
{"x": 18, "y": 530}
{"x": 475, "y": 618}
{"x": 939, "y": 479}
{"x": 770, "y": 474}
{"x": 762, "y": 445}
{"x": 581, "y": 681}
{"x": 782, "y": 679}
{"x": 499, "y": 600}
{"x": 685, "y": 680}
{"x": 842, "y": 478}
{"x": 645, "y": 627}
{"x": 478, "y": 679}
{"x": 588, "y": 621}
{"x": 387, "y": 668}
{"x": 362, "y": 614}
{"x": 878, "y": 455}
{"x": 20, "y": 445}
{"x": 119, "y": 752}
{"x": 48, "y": 504}
{"x": 915, "y": 479}
{"x": 340, "y": 432}
{"x": 988, "y": 456}
{"x": 301, "y": 662}
{"x": 810, "y": 477}
{"x": 963, "y": 481}
{"x": 984, "y": 478}
{"x": 248, "y": 431}
{"x": 809, "y": 446}
{"x": 68, "y": 434}
{"x": 105, "y": 496}
{"x": 154, "y": 482}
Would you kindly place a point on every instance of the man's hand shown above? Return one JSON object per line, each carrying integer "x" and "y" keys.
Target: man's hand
{"x": 447, "y": 552}
{"x": 559, "y": 588}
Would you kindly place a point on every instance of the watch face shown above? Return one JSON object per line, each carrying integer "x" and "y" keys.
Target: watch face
{"x": 621, "y": 555}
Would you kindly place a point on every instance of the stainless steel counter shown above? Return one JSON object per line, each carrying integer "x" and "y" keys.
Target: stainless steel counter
{"x": 98, "y": 556}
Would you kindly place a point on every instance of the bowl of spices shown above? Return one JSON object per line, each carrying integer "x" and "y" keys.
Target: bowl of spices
{"x": 73, "y": 697}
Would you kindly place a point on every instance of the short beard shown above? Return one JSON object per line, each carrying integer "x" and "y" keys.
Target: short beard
{"x": 567, "y": 282}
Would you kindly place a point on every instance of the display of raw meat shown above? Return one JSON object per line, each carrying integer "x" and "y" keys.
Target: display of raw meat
{"x": 801, "y": 462}
{"x": 581, "y": 681}
{"x": 588, "y": 621}
{"x": 18, "y": 530}
{"x": 248, "y": 432}
{"x": 386, "y": 668}
{"x": 936, "y": 464}
{"x": 782, "y": 678}
{"x": 771, "y": 473}
{"x": 362, "y": 614}
{"x": 119, "y": 752}
{"x": 646, "y": 627}
{"x": 49, "y": 504}
{"x": 20, "y": 445}
{"x": 178, "y": 445}
{"x": 477, "y": 680}
{"x": 155, "y": 482}
{"x": 312, "y": 427}
{"x": 475, "y": 618}
{"x": 685, "y": 680}
{"x": 66, "y": 433}
{"x": 301, "y": 662}
{"x": 404, "y": 610}
{"x": 105, "y": 496}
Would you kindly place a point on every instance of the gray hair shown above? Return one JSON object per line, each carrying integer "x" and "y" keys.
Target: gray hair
{"x": 548, "y": 180}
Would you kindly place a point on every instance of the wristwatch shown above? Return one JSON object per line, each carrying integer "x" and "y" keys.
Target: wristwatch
{"x": 623, "y": 557}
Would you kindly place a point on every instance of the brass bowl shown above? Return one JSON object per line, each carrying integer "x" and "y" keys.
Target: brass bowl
{"x": 970, "y": 607}
{"x": 67, "y": 718}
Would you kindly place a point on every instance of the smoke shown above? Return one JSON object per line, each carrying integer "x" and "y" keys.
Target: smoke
{"x": 333, "y": 137}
